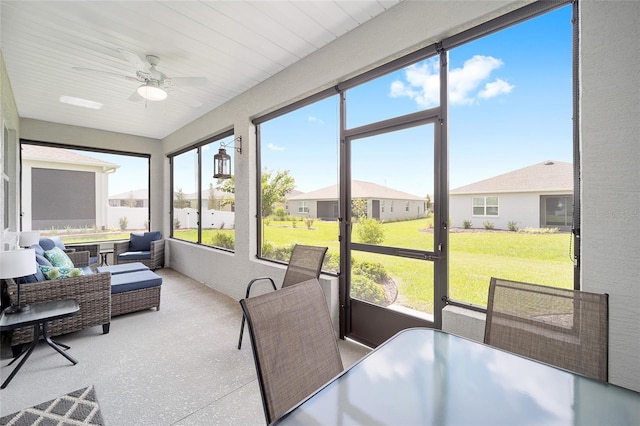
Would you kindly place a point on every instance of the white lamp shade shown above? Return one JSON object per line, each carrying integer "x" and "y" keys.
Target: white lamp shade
{"x": 29, "y": 238}
{"x": 17, "y": 263}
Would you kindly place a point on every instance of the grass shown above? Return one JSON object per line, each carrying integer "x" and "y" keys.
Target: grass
{"x": 474, "y": 256}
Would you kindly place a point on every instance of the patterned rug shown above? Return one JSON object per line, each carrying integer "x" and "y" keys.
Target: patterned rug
{"x": 76, "y": 408}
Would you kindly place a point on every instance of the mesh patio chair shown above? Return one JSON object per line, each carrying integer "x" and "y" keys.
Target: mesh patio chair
{"x": 305, "y": 263}
{"x": 560, "y": 327}
{"x": 294, "y": 345}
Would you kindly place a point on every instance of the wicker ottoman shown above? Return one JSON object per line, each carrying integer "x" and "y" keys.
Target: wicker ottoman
{"x": 135, "y": 291}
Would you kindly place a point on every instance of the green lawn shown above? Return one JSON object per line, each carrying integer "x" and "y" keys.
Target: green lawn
{"x": 474, "y": 256}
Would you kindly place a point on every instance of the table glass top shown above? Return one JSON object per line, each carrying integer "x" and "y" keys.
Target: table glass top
{"x": 41, "y": 311}
{"x": 426, "y": 376}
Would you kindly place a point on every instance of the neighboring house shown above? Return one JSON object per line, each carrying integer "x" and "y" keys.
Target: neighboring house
{"x": 59, "y": 184}
{"x": 136, "y": 198}
{"x": 537, "y": 196}
{"x": 383, "y": 203}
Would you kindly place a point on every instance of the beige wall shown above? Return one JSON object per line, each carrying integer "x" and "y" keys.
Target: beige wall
{"x": 610, "y": 130}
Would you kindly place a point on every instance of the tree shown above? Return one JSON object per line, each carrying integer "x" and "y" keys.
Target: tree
{"x": 180, "y": 201}
{"x": 428, "y": 203}
{"x": 359, "y": 208}
{"x": 275, "y": 186}
{"x": 131, "y": 202}
{"x": 211, "y": 201}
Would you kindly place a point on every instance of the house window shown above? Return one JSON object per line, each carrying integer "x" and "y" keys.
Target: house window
{"x": 105, "y": 193}
{"x": 485, "y": 206}
{"x": 382, "y": 206}
{"x": 202, "y": 207}
{"x": 391, "y": 207}
{"x": 303, "y": 207}
{"x": 406, "y": 207}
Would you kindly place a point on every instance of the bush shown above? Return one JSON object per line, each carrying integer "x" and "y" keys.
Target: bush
{"x": 366, "y": 289}
{"x": 123, "y": 223}
{"x": 294, "y": 222}
{"x": 466, "y": 224}
{"x": 224, "y": 240}
{"x": 513, "y": 226}
{"x": 176, "y": 224}
{"x": 370, "y": 231}
{"x": 309, "y": 222}
{"x": 374, "y": 271}
{"x": 488, "y": 224}
{"x": 281, "y": 213}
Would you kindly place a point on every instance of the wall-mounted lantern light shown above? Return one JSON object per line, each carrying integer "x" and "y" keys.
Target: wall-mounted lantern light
{"x": 222, "y": 160}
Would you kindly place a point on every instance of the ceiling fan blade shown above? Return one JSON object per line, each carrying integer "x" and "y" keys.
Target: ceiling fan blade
{"x": 189, "y": 81}
{"x": 135, "y": 97}
{"x": 134, "y": 60}
{"x": 113, "y": 74}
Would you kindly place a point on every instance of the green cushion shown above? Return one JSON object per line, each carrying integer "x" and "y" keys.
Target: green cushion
{"x": 58, "y": 258}
{"x": 57, "y": 273}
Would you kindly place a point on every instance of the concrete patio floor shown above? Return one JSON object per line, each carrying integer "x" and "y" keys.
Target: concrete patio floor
{"x": 176, "y": 366}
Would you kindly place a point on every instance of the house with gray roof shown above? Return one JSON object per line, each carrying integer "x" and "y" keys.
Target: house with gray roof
{"x": 537, "y": 196}
{"x": 383, "y": 203}
{"x": 61, "y": 181}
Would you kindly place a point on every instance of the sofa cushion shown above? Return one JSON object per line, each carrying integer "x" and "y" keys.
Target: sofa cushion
{"x": 57, "y": 273}
{"x": 34, "y": 278}
{"x": 58, "y": 258}
{"x": 121, "y": 283}
{"x": 141, "y": 241}
{"x": 135, "y": 255}
{"x": 49, "y": 243}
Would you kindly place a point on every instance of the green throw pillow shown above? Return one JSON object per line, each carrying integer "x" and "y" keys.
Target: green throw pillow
{"x": 59, "y": 258}
{"x": 57, "y": 273}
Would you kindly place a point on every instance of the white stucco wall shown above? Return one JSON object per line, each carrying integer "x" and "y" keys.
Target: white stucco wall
{"x": 522, "y": 207}
{"x": 610, "y": 132}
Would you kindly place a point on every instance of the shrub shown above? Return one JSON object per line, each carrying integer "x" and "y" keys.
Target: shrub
{"x": 370, "y": 231}
{"x": 294, "y": 222}
{"x": 281, "y": 213}
{"x": 266, "y": 221}
{"x": 366, "y": 289}
{"x": 123, "y": 223}
{"x": 176, "y": 223}
{"x": 309, "y": 222}
{"x": 331, "y": 263}
{"x": 466, "y": 224}
{"x": 513, "y": 226}
{"x": 224, "y": 240}
{"x": 488, "y": 224}
{"x": 373, "y": 271}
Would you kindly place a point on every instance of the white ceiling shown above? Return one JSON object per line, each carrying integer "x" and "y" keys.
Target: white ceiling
{"x": 234, "y": 44}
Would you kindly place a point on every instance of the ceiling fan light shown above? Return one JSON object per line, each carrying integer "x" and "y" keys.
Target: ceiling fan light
{"x": 152, "y": 92}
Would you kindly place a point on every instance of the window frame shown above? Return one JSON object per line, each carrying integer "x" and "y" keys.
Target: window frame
{"x": 198, "y": 147}
{"x": 485, "y": 206}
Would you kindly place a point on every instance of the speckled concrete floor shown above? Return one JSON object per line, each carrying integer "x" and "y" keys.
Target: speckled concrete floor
{"x": 176, "y": 366}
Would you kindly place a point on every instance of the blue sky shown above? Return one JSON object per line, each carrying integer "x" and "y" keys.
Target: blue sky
{"x": 510, "y": 107}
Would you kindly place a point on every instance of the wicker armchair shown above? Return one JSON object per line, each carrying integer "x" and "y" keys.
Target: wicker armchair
{"x": 135, "y": 250}
{"x": 93, "y": 293}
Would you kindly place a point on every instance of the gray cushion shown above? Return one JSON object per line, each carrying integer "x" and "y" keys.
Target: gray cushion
{"x": 135, "y": 255}
{"x": 134, "y": 281}
{"x": 141, "y": 241}
{"x": 49, "y": 243}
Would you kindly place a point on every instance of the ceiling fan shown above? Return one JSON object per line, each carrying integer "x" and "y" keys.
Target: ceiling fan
{"x": 155, "y": 84}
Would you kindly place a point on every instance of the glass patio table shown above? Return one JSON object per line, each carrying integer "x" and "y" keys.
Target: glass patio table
{"x": 425, "y": 376}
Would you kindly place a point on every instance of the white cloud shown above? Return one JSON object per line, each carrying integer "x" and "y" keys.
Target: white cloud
{"x": 313, "y": 119}
{"x": 273, "y": 147}
{"x": 423, "y": 82}
{"x": 498, "y": 87}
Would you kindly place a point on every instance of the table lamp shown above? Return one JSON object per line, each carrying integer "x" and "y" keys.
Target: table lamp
{"x": 16, "y": 264}
{"x": 29, "y": 238}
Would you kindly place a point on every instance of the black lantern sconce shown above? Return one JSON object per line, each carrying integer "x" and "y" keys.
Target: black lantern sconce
{"x": 222, "y": 160}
